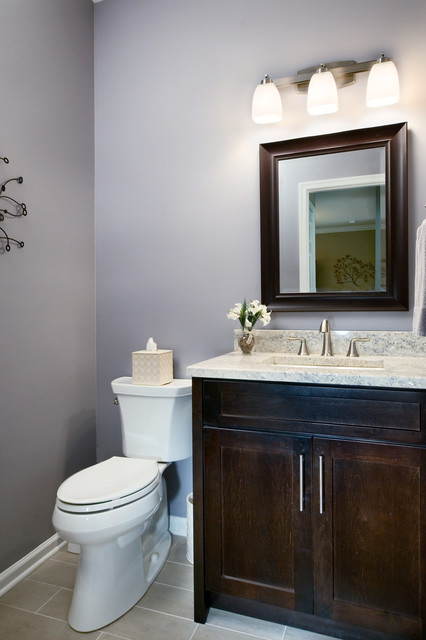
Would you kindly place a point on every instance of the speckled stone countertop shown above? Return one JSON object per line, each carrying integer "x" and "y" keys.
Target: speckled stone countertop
{"x": 402, "y": 357}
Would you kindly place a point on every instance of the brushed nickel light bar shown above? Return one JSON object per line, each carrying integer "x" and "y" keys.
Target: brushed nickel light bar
{"x": 321, "y": 83}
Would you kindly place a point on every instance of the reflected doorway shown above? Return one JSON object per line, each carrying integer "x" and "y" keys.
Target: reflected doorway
{"x": 342, "y": 234}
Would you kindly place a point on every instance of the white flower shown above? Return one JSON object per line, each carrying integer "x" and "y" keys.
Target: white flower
{"x": 234, "y": 313}
{"x": 255, "y": 307}
{"x": 248, "y": 315}
{"x": 266, "y": 319}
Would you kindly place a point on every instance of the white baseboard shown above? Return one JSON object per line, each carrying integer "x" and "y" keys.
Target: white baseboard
{"x": 18, "y": 571}
{"x": 177, "y": 525}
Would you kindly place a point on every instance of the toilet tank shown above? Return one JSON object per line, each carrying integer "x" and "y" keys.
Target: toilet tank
{"x": 156, "y": 421}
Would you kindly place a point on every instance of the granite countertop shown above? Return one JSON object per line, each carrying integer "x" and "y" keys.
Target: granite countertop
{"x": 394, "y": 370}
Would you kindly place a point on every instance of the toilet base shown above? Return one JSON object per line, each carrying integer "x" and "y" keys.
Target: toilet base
{"x": 113, "y": 576}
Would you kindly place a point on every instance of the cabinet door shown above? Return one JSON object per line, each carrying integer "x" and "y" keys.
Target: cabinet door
{"x": 367, "y": 535}
{"x": 257, "y": 517}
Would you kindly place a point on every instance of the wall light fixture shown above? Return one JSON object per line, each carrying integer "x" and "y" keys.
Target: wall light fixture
{"x": 321, "y": 84}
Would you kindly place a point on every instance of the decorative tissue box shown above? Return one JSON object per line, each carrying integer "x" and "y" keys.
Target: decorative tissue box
{"x": 152, "y": 367}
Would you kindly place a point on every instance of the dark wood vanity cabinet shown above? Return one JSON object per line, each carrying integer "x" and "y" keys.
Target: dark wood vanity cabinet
{"x": 309, "y": 506}
{"x": 257, "y": 546}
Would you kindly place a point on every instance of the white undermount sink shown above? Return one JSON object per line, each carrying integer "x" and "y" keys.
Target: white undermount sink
{"x": 330, "y": 362}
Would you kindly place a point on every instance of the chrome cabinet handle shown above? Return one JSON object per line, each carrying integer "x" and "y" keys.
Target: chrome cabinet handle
{"x": 321, "y": 482}
{"x": 301, "y": 485}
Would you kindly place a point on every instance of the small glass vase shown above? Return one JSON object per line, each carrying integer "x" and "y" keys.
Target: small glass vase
{"x": 246, "y": 343}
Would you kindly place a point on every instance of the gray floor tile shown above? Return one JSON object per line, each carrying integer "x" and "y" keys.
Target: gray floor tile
{"x": 300, "y": 634}
{"x": 178, "y": 551}
{"x": 16, "y": 624}
{"x": 61, "y": 574}
{"x": 177, "y": 602}
{"x": 142, "y": 624}
{"x": 29, "y": 595}
{"x": 176, "y": 575}
{"x": 207, "y": 632}
{"x": 66, "y": 556}
{"x": 59, "y": 605}
{"x": 244, "y": 624}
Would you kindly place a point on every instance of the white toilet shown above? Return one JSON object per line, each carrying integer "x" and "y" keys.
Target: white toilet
{"x": 117, "y": 510}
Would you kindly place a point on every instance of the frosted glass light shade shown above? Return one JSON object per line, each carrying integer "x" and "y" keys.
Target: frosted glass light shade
{"x": 266, "y": 105}
{"x": 322, "y": 94}
{"x": 382, "y": 85}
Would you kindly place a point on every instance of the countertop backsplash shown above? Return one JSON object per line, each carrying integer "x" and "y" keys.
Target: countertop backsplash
{"x": 387, "y": 343}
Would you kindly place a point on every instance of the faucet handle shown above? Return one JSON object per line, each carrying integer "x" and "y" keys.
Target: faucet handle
{"x": 353, "y": 351}
{"x": 303, "y": 350}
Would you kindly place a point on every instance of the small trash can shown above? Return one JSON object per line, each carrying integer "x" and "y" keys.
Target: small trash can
{"x": 189, "y": 528}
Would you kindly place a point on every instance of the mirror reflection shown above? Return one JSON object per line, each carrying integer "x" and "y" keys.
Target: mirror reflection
{"x": 338, "y": 240}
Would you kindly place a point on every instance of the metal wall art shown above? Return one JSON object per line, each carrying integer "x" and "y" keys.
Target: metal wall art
{"x": 15, "y": 210}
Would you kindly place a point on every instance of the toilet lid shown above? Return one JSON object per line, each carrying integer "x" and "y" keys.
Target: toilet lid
{"x": 117, "y": 480}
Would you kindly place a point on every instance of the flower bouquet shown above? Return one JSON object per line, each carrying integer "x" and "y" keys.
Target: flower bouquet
{"x": 247, "y": 315}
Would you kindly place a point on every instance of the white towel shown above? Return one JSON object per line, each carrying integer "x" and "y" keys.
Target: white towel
{"x": 419, "y": 314}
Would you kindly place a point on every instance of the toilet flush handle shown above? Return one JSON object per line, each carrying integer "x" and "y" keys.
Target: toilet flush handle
{"x": 115, "y": 400}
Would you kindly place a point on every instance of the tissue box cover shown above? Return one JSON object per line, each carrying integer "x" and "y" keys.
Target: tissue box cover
{"x": 152, "y": 367}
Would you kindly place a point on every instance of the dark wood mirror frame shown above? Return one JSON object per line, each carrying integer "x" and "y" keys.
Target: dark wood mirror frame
{"x": 393, "y": 138}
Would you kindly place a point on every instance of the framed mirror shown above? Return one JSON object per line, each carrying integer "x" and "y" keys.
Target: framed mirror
{"x": 333, "y": 212}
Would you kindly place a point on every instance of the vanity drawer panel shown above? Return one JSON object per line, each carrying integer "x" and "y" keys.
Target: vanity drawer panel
{"x": 354, "y": 411}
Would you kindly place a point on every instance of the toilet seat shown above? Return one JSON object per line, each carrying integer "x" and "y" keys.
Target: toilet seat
{"x": 108, "y": 485}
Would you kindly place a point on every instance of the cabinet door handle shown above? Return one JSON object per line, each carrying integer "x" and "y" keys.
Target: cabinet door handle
{"x": 301, "y": 484}
{"x": 321, "y": 484}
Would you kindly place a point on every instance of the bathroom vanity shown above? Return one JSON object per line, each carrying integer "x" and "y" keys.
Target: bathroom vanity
{"x": 310, "y": 488}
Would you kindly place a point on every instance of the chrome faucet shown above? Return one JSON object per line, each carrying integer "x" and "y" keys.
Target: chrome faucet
{"x": 326, "y": 344}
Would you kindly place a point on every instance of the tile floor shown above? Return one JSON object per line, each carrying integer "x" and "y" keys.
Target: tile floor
{"x": 36, "y": 609}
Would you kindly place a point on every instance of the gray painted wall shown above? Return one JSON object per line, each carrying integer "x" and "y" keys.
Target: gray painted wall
{"x": 177, "y": 197}
{"x": 177, "y": 213}
{"x": 47, "y": 317}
